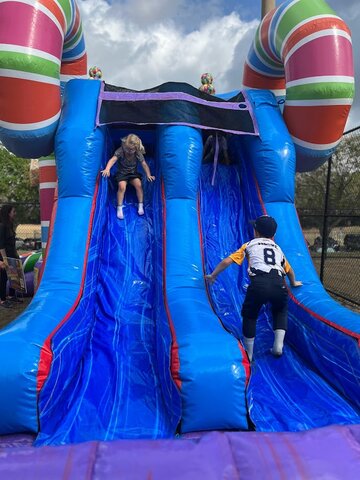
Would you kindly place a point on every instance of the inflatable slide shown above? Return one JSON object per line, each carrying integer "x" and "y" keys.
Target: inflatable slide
{"x": 124, "y": 339}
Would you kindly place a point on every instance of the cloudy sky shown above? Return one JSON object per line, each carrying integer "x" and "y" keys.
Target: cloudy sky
{"x": 142, "y": 43}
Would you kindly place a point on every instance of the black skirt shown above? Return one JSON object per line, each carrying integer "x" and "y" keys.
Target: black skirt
{"x": 121, "y": 177}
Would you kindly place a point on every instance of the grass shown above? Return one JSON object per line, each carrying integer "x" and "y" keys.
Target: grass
{"x": 341, "y": 275}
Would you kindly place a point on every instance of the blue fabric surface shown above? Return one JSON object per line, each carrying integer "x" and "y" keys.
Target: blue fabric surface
{"x": 110, "y": 372}
{"x": 325, "y": 351}
{"x": 110, "y": 376}
{"x": 284, "y": 394}
{"x": 211, "y": 363}
{"x": 22, "y": 342}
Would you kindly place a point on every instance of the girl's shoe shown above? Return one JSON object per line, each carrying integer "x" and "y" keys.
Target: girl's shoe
{"x": 141, "y": 209}
{"x": 119, "y": 212}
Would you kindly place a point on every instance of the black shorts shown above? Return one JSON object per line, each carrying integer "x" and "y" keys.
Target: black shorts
{"x": 120, "y": 177}
{"x": 265, "y": 288}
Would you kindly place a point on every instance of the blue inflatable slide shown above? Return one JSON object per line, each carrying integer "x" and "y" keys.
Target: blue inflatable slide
{"x": 124, "y": 338}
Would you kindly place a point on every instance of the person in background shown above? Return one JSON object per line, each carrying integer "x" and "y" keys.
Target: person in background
{"x": 267, "y": 267}
{"x": 128, "y": 155}
{"x": 210, "y": 148}
{"x": 7, "y": 249}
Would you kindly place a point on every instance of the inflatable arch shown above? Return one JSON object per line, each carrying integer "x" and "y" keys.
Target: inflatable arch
{"x": 303, "y": 49}
{"x": 123, "y": 338}
{"x": 42, "y": 44}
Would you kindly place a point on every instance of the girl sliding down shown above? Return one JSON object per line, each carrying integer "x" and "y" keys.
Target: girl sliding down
{"x": 128, "y": 155}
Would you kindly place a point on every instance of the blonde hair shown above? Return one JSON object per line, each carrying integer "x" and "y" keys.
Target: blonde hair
{"x": 134, "y": 140}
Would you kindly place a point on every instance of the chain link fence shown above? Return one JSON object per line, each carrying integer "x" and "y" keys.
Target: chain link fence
{"x": 28, "y": 228}
{"x": 328, "y": 203}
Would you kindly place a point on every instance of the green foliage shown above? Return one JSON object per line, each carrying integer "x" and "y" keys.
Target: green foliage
{"x": 344, "y": 193}
{"x": 15, "y": 187}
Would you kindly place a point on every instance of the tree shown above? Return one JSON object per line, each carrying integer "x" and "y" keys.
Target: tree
{"x": 15, "y": 187}
{"x": 344, "y": 192}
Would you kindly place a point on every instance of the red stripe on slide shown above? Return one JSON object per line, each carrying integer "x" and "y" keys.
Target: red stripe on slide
{"x": 245, "y": 360}
{"x": 175, "y": 359}
{"x": 296, "y": 301}
{"x": 323, "y": 319}
{"x": 46, "y": 354}
{"x": 307, "y": 123}
{"x": 27, "y": 101}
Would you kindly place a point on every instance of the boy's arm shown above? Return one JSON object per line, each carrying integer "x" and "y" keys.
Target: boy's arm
{"x": 220, "y": 267}
{"x": 110, "y": 163}
{"x": 293, "y": 282}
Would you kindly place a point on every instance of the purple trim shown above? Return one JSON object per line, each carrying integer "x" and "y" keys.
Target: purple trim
{"x": 329, "y": 452}
{"x": 216, "y": 157}
{"x": 101, "y": 93}
{"x": 251, "y": 111}
{"x": 203, "y": 127}
{"x": 163, "y": 96}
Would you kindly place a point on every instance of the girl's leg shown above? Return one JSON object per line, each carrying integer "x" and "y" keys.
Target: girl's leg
{"x": 121, "y": 192}
{"x": 120, "y": 198}
{"x": 136, "y": 182}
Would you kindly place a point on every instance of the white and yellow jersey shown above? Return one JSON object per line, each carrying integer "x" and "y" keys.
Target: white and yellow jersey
{"x": 262, "y": 254}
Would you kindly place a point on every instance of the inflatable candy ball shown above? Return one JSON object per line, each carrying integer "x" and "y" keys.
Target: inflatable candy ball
{"x": 207, "y": 88}
{"x": 206, "y": 78}
{"x": 95, "y": 73}
{"x": 207, "y": 84}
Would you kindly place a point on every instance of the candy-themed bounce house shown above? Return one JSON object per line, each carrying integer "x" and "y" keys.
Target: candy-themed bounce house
{"x": 124, "y": 340}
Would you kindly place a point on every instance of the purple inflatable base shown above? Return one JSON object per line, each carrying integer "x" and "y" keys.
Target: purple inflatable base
{"x": 330, "y": 452}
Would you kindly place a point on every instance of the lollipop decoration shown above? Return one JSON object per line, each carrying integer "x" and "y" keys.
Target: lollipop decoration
{"x": 207, "y": 84}
{"x": 95, "y": 73}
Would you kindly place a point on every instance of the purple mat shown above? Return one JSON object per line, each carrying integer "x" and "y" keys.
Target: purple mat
{"x": 330, "y": 452}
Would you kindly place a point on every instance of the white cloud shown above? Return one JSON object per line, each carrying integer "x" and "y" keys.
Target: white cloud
{"x": 139, "y": 44}
{"x": 139, "y": 55}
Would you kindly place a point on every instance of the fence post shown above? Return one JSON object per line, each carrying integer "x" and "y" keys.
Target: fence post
{"x": 325, "y": 222}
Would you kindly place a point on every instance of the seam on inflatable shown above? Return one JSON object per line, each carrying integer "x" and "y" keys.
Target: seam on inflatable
{"x": 175, "y": 359}
{"x": 46, "y": 350}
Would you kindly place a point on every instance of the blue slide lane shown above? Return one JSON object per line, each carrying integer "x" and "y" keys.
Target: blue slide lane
{"x": 109, "y": 369}
{"x": 284, "y": 394}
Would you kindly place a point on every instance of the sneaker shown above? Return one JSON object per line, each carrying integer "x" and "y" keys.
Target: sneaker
{"x": 141, "y": 210}
{"x": 276, "y": 353}
{"x": 5, "y": 304}
{"x": 119, "y": 212}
